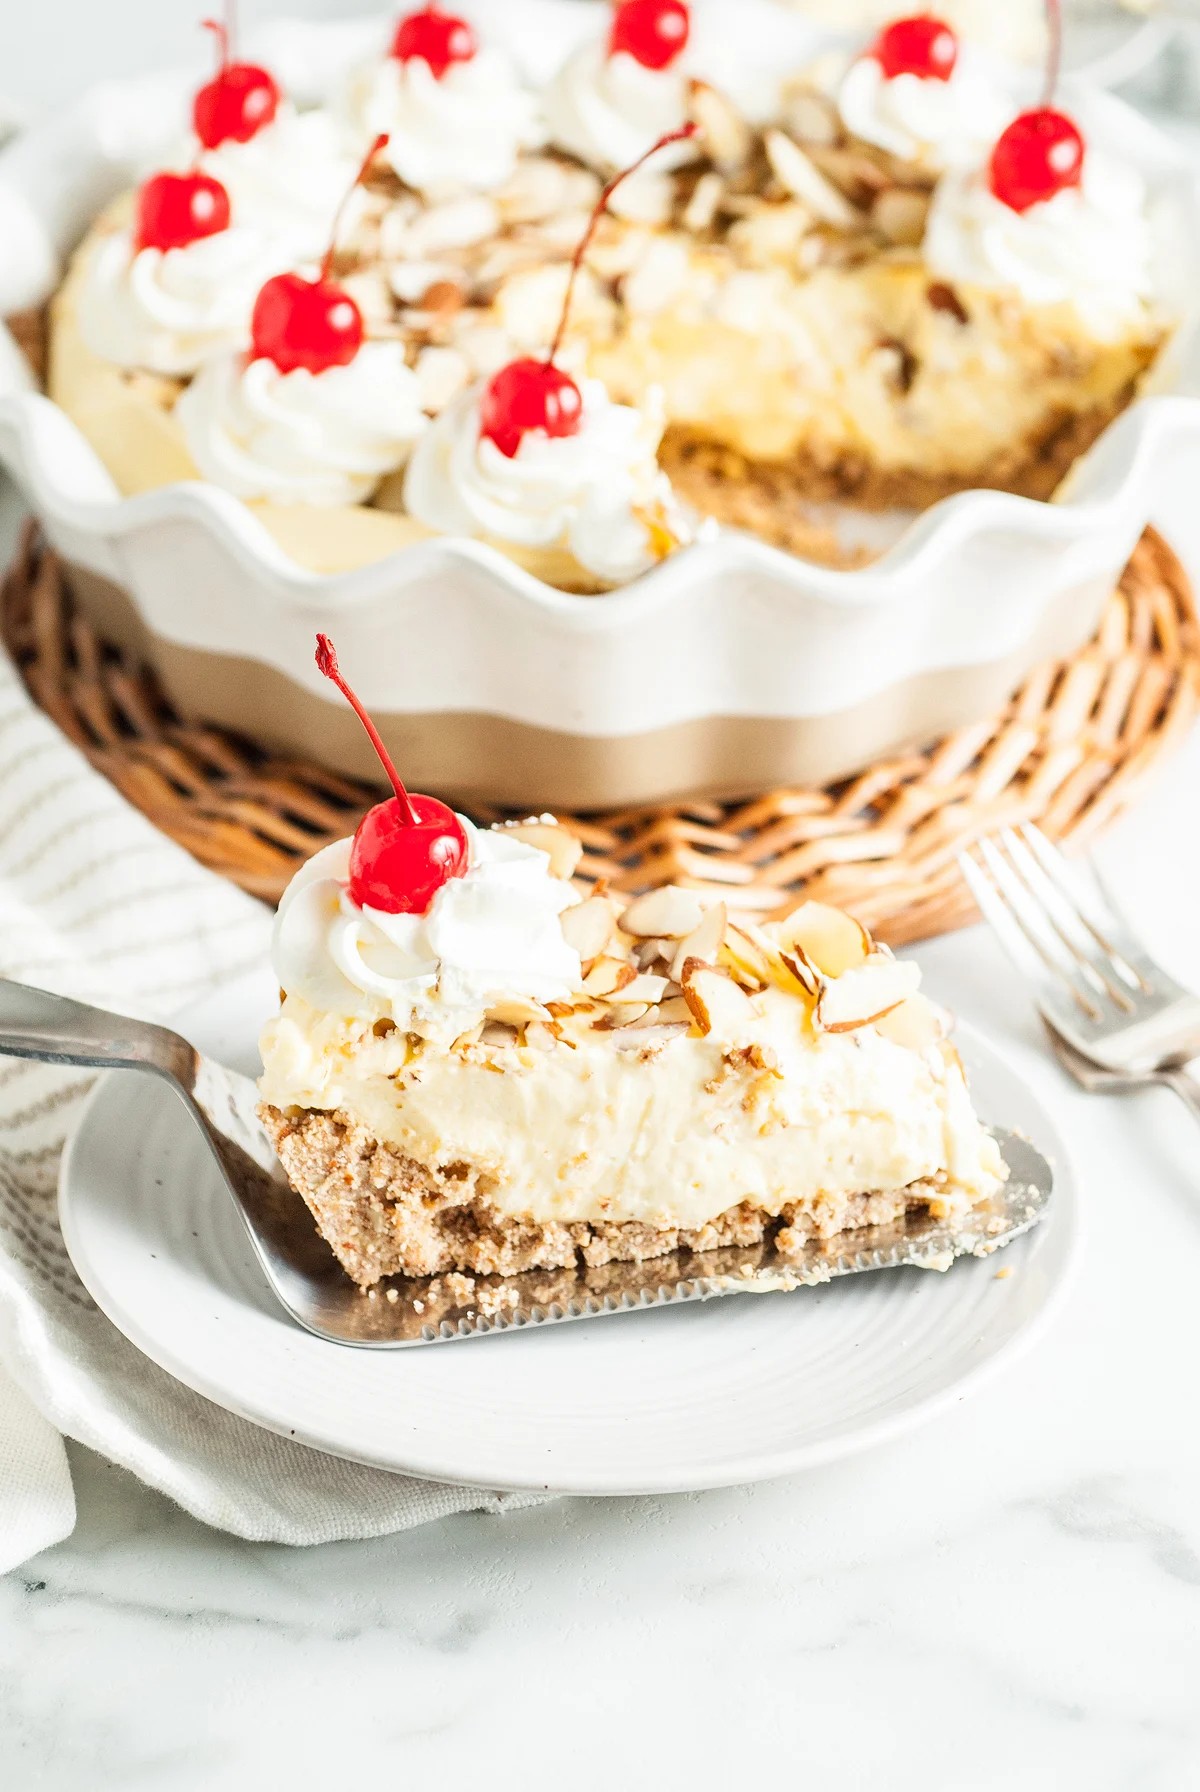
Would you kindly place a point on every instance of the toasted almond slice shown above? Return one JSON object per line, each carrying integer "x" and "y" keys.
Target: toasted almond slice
{"x": 498, "y": 1032}
{"x": 564, "y": 848}
{"x": 831, "y": 940}
{"x": 588, "y": 927}
{"x": 645, "y": 988}
{"x": 669, "y": 1011}
{"x": 860, "y": 997}
{"x": 542, "y": 1036}
{"x": 917, "y": 1024}
{"x": 648, "y": 953}
{"x": 614, "y": 1019}
{"x": 742, "y": 953}
{"x": 668, "y": 913}
{"x": 801, "y": 968}
{"x": 724, "y": 133}
{"x": 647, "y": 1037}
{"x": 717, "y": 1003}
{"x": 804, "y": 181}
{"x": 517, "y": 1011}
{"x": 607, "y": 975}
{"x": 704, "y": 941}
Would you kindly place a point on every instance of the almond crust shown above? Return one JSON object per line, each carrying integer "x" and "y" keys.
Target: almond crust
{"x": 385, "y": 1214}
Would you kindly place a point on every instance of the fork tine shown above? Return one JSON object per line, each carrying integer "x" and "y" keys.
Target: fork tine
{"x": 1028, "y": 915}
{"x": 1108, "y": 977}
{"x": 1092, "y": 907}
{"x": 1029, "y": 961}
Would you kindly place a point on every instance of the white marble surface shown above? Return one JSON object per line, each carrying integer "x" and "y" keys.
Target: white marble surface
{"x": 1010, "y": 1598}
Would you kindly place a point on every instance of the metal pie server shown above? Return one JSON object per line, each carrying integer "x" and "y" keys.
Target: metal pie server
{"x": 311, "y": 1285}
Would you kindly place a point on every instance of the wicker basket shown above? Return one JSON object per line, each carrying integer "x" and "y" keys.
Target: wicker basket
{"x": 1068, "y": 752}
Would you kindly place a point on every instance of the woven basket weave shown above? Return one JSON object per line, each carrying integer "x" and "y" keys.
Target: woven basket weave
{"x": 1069, "y": 750}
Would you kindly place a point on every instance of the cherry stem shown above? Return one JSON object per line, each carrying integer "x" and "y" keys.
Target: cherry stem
{"x": 1054, "y": 25}
{"x": 679, "y": 136}
{"x": 327, "y": 664}
{"x": 224, "y": 30}
{"x": 327, "y": 259}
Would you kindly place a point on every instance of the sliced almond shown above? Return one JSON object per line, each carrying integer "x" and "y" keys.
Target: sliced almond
{"x": 498, "y": 1033}
{"x": 705, "y": 202}
{"x": 608, "y": 975}
{"x": 704, "y": 941}
{"x": 811, "y": 116}
{"x": 648, "y": 953}
{"x": 805, "y": 973}
{"x": 671, "y": 1009}
{"x": 564, "y": 848}
{"x": 644, "y": 988}
{"x": 588, "y": 927}
{"x": 517, "y": 1011}
{"x": 616, "y": 1019}
{"x": 716, "y": 1002}
{"x": 899, "y": 213}
{"x": 542, "y": 1036}
{"x": 742, "y": 953}
{"x": 725, "y": 134}
{"x": 916, "y": 1024}
{"x": 860, "y": 997}
{"x": 669, "y": 913}
{"x": 831, "y": 940}
{"x": 799, "y": 174}
{"x": 644, "y": 1037}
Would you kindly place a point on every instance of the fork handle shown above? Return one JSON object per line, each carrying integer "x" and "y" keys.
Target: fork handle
{"x": 56, "y": 1030}
{"x": 1185, "y": 1085}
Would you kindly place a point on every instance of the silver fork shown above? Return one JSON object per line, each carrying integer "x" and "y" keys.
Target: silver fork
{"x": 1093, "y": 981}
{"x": 1098, "y": 1081}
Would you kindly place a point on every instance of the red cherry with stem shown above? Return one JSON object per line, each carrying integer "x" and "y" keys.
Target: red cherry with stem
{"x": 437, "y": 38}
{"x": 240, "y": 99}
{"x": 1038, "y": 155}
{"x": 174, "y": 210}
{"x": 1041, "y": 152}
{"x": 315, "y": 324}
{"x": 653, "y": 32}
{"x": 406, "y": 848}
{"x": 921, "y": 45}
{"x": 529, "y": 394}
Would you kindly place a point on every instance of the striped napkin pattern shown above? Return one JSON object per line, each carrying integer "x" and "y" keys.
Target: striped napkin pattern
{"x": 96, "y": 904}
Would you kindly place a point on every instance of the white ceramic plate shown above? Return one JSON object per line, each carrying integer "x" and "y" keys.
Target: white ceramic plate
{"x": 727, "y": 1391}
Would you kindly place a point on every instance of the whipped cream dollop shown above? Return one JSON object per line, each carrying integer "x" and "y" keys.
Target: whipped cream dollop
{"x": 290, "y": 178}
{"x": 594, "y": 494}
{"x": 489, "y": 937}
{"x": 170, "y": 310}
{"x": 936, "y": 124}
{"x": 609, "y": 110}
{"x": 462, "y": 130}
{"x": 302, "y": 438}
{"x": 1091, "y": 246}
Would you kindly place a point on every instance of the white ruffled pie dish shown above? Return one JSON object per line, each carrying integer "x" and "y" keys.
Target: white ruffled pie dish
{"x": 730, "y": 667}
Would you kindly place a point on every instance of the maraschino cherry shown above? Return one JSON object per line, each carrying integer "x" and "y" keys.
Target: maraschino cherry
{"x": 173, "y": 210}
{"x": 435, "y": 37}
{"x": 239, "y": 100}
{"x": 921, "y": 45}
{"x": 310, "y": 323}
{"x": 406, "y": 848}
{"x": 1041, "y": 152}
{"x": 530, "y": 394}
{"x": 653, "y": 32}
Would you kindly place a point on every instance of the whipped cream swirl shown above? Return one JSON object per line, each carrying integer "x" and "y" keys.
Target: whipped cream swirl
{"x": 463, "y": 130}
{"x": 1091, "y": 246}
{"x": 290, "y": 178}
{"x": 609, "y": 110}
{"x": 170, "y": 310}
{"x": 936, "y": 124}
{"x": 590, "y": 494}
{"x": 302, "y": 438}
{"x": 491, "y": 936}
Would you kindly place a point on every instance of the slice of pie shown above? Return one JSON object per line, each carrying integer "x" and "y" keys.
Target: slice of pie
{"x": 525, "y": 1076}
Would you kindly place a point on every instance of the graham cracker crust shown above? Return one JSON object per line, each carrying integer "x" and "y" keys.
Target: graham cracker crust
{"x": 769, "y": 499}
{"x": 384, "y": 1214}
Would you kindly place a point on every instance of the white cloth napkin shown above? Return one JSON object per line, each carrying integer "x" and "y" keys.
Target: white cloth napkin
{"x": 95, "y": 903}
